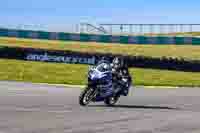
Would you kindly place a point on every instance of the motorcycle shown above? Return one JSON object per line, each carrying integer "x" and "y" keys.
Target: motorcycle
{"x": 99, "y": 80}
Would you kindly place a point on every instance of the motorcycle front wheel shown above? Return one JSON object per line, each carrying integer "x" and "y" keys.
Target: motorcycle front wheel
{"x": 86, "y": 96}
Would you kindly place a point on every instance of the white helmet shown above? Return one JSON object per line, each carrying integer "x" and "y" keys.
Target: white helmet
{"x": 117, "y": 62}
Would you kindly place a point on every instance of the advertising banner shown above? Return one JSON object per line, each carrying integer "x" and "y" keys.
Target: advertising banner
{"x": 70, "y": 57}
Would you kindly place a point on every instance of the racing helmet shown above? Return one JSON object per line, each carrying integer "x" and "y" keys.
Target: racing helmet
{"x": 117, "y": 62}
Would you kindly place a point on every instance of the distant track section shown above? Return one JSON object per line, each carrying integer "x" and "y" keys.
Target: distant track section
{"x": 99, "y": 38}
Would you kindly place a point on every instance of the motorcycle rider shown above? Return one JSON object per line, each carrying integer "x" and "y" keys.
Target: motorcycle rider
{"x": 121, "y": 74}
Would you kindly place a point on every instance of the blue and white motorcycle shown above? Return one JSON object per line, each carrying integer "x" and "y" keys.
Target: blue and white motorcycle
{"x": 101, "y": 87}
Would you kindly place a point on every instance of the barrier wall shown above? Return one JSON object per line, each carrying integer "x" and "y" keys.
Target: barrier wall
{"x": 71, "y": 57}
{"x": 98, "y": 38}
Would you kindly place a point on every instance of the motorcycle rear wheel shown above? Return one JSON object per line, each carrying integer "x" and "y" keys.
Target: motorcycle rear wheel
{"x": 111, "y": 101}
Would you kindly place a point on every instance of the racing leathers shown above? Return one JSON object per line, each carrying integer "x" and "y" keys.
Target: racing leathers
{"x": 121, "y": 78}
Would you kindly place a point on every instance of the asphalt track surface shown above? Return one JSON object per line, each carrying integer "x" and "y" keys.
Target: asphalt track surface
{"x": 32, "y": 108}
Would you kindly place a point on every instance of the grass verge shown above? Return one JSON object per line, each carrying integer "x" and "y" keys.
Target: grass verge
{"x": 178, "y": 51}
{"x": 41, "y": 72}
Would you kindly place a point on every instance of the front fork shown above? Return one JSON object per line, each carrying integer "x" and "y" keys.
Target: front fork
{"x": 95, "y": 97}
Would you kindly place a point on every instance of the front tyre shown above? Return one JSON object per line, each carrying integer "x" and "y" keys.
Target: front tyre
{"x": 86, "y": 96}
{"x": 111, "y": 101}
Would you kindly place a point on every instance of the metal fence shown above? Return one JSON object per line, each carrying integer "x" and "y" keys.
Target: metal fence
{"x": 142, "y": 29}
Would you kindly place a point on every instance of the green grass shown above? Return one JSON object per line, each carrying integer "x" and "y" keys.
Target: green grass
{"x": 193, "y": 34}
{"x": 188, "y": 33}
{"x": 41, "y": 72}
{"x": 183, "y": 51}
{"x": 76, "y": 74}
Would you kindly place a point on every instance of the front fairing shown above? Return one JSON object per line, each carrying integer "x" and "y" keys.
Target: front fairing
{"x": 97, "y": 77}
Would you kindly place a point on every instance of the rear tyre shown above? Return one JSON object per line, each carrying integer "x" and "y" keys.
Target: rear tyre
{"x": 86, "y": 96}
{"x": 111, "y": 101}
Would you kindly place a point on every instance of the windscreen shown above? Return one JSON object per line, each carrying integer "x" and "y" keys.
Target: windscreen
{"x": 103, "y": 67}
